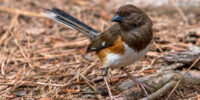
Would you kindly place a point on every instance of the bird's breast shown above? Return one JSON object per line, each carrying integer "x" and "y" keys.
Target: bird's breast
{"x": 120, "y": 54}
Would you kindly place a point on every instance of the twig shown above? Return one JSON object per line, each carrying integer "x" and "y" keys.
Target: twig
{"x": 184, "y": 18}
{"x": 160, "y": 91}
{"x": 20, "y": 12}
{"x": 2, "y": 65}
{"x": 35, "y": 83}
{"x": 196, "y": 61}
{"x": 84, "y": 72}
{"x": 88, "y": 82}
{"x": 49, "y": 84}
{"x": 75, "y": 44}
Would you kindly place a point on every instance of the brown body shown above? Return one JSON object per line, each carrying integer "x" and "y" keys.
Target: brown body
{"x": 133, "y": 30}
{"x": 122, "y": 44}
{"x": 116, "y": 48}
{"x": 136, "y": 32}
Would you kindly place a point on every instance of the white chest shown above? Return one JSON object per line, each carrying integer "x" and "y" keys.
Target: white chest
{"x": 129, "y": 57}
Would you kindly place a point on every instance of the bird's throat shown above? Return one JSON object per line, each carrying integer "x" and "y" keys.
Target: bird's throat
{"x": 137, "y": 37}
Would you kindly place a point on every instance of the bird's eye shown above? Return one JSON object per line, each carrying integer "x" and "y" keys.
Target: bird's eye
{"x": 128, "y": 12}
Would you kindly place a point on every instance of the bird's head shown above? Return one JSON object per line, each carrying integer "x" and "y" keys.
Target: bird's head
{"x": 129, "y": 15}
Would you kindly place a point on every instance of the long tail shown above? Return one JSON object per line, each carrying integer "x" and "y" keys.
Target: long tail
{"x": 71, "y": 22}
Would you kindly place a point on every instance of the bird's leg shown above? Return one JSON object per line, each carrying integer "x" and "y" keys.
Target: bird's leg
{"x": 139, "y": 84}
{"x": 109, "y": 91}
{"x": 104, "y": 73}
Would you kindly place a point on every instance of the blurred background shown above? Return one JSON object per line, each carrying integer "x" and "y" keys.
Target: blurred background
{"x": 42, "y": 59}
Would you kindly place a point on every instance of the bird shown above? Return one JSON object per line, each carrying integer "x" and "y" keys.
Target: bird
{"x": 122, "y": 44}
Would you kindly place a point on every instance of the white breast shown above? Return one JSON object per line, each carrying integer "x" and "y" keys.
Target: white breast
{"x": 129, "y": 57}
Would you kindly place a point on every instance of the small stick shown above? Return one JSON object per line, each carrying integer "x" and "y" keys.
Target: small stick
{"x": 196, "y": 61}
{"x": 99, "y": 97}
{"x": 20, "y": 12}
{"x": 184, "y": 18}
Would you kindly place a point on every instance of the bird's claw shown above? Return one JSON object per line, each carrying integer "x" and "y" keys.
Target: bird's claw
{"x": 142, "y": 87}
{"x": 111, "y": 98}
{"x": 104, "y": 71}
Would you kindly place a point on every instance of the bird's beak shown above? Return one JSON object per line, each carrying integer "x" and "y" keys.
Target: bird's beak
{"x": 117, "y": 18}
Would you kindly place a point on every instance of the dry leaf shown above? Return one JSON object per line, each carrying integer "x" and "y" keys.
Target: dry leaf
{"x": 151, "y": 71}
{"x": 48, "y": 23}
{"x": 11, "y": 96}
{"x": 115, "y": 79}
{"x": 46, "y": 98}
{"x": 82, "y": 2}
{"x": 105, "y": 15}
{"x": 35, "y": 31}
{"x": 71, "y": 90}
{"x": 154, "y": 54}
{"x": 17, "y": 77}
{"x": 82, "y": 82}
{"x": 82, "y": 51}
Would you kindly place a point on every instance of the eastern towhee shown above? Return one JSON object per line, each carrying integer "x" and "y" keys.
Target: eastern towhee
{"x": 120, "y": 45}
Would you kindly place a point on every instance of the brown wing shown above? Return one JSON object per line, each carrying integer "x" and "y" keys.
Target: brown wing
{"x": 105, "y": 39}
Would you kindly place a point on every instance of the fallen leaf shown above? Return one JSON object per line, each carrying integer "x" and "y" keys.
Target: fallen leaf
{"x": 82, "y": 51}
{"x": 154, "y": 54}
{"x": 20, "y": 93}
{"x": 105, "y": 15}
{"x": 115, "y": 79}
{"x": 17, "y": 77}
{"x": 78, "y": 82}
{"x": 149, "y": 71}
{"x": 35, "y": 31}
{"x": 57, "y": 95}
{"x": 11, "y": 96}
{"x": 71, "y": 90}
{"x": 48, "y": 23}
{"x": 82, "y": 2}
{"x": 46, "y": 98}
{"x": 55, "y": 62}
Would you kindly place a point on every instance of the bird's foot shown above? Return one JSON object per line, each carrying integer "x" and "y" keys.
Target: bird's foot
{"x": 141, "y": 86}
{"x": 117, "y": 97}
{"x": 111, "y": 98}
{"x": 137, "y": 83}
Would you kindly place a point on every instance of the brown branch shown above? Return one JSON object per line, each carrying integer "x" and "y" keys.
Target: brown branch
{"x": 161, "y": 91}
{"x": 164, "y": 79}
{"x": 75, "y": 44}
{"x": 20, "y": 12}
{"x": 196, "y": 61}
{"x": 184, "y": 18}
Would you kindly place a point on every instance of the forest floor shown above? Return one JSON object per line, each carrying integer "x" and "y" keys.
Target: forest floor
{"x": 42, "y": 59}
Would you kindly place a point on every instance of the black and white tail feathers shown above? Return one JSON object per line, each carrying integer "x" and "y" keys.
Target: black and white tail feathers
{"x": 73, "y": 23}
